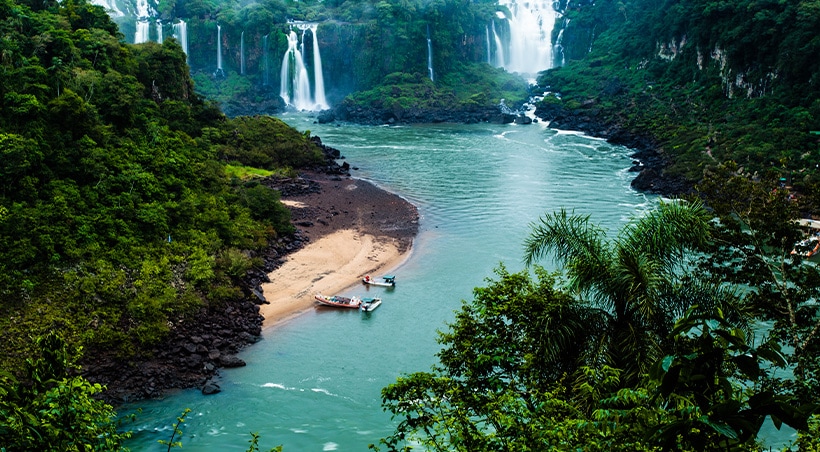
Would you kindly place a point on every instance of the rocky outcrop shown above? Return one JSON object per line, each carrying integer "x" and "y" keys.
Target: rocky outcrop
{"x": 649, "y": 160}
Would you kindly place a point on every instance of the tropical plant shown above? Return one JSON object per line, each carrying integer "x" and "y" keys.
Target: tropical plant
{"x": 50, "y": 408}
{"x": 633, "y": 287}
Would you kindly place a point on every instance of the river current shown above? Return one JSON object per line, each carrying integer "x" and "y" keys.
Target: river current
{"x": 313, "y": 384}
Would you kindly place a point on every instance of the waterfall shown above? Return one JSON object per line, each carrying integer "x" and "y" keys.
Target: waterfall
{"x": 181, "y": 34}
{"x": 487, "y": 33}
{"x": 266, "y": 68}
{"x": 242, "y": 53}
{"x": 429, "y": 54}
{"x": 142, "y": 22}
{"x": 559, "y": 57}
{"x": 110, "y": 7}
{"x": 318, "y": 77}
{"x": 219, "y": 51}
{"x": 499, "y": 49}
{"x": 295, "y": 83}
{"x": 530, "y": 43}
{"x": 159, "y": 32}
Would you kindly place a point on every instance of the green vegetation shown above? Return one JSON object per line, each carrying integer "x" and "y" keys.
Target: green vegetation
{"x": 476, "y": 87}
{"x": 711, "y": 81}
{"x": 641, "y": 343}
{"x": 117, "y": 216}
{"x": 52, "y": 409}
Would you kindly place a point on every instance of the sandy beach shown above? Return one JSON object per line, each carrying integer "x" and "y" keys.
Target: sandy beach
{"x": 354, "y": 229}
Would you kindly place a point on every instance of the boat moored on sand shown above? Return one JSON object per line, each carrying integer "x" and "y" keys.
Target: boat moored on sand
{"x": 386, "y": 281}
{"x": 337, "y": 301}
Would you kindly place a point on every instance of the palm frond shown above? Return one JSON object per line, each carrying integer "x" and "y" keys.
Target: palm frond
{"x": 668, "y": 232}
{"x": 573, "y": 242}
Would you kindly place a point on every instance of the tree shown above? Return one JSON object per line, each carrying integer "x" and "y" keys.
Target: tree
{"x": 531, "y": 365}
{"x": 756, "y": 234}
{"x": 635, "y": 284}
{"x": 50, "y": 410}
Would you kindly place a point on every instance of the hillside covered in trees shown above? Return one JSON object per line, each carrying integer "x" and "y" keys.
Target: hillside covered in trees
{"x": 118, "y": 219}
{"x": 703, "y": 82}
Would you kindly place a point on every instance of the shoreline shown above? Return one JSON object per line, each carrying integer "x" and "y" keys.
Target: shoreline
{"x": 314, "y": 270}
{"x": 352, "y": 227}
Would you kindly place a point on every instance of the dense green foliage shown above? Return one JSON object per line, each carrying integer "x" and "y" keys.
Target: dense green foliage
{"x": 476, "y": 88}
{"x": 713, "y": 81}
{"x": 630, "y": 349}
{"x": 361, "y": 42}
{"x": 49, "y": 409}
{"x": 116, "y": 214}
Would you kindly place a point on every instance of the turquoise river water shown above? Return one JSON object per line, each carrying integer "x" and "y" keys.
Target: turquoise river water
{"x": 313, "y": 384}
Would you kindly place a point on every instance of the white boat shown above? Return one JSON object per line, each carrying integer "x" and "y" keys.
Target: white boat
{"x": 370, "y": 304}
{"x": 339, "y": 302}
{"x": 386, "y": 281}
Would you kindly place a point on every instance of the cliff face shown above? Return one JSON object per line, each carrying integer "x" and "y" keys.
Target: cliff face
{"x": 705, "y": 81}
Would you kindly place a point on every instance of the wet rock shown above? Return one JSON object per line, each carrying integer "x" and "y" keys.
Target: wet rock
{"x": 211, "y": 388}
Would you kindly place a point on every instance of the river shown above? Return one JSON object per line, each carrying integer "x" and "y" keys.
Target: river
{"x": 313, "y": 384}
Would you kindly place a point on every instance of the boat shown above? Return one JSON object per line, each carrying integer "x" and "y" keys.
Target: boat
{"x": 337, "y": 301}
{"x": 808, "y": 247}
{"x": 370, "y": 304}
{"x": 386, "y": 281}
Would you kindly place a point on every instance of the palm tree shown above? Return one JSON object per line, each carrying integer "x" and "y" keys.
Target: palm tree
{"x": 632, "y": 288}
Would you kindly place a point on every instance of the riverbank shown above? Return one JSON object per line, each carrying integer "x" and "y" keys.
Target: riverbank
{"x": 345, "y": 226}
{"x": 352, "y": 229}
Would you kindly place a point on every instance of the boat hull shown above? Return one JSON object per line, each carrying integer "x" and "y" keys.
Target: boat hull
{"x": 371, "y": 305}
{"x": 339, "y": 302}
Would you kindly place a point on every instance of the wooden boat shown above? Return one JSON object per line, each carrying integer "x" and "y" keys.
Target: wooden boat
{"x": 339, "y": 302}
{"x": 386, "y": 281}
{"x": 808, "y": 247}
{"x": 370, "y": 304}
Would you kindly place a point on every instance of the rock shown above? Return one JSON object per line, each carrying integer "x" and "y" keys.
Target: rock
{"x": 230, "y": 361}
{"x": 211, "y": 388}
{"x": 523, "y": 119}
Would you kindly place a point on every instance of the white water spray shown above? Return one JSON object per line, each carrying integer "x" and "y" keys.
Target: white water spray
{"x": 159, "y": 31}
{"x": 295, "y": 82}
{"x": 219, "y": 50}
{"x": 318, "y": 77}
{"x": 181, "y": 35}
{"x": 295, "y": 85}
{"x": 530, "y": 43}
{"x": 143, "y": 26}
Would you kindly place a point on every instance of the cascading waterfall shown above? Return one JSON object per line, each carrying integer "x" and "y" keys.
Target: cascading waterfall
{"x": 181, "y": 35}
{"x": 219, "y": 50}
{"x": 499, "y": 48}
{"x": 560, "y": 58}
{"x": 318, "y": 77}
{"x": 429, "y": 54}
{"x": 487, "y": 33}
{"x": 159, "y": 32}
{"x": 530, "y": 40}
{"x": 242, "y": 53}
{"x": 266, "y": 68}
{"x": 295, "y": 83}
{"x": 142, "y": 22}
{"x": 110, "y": 7}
